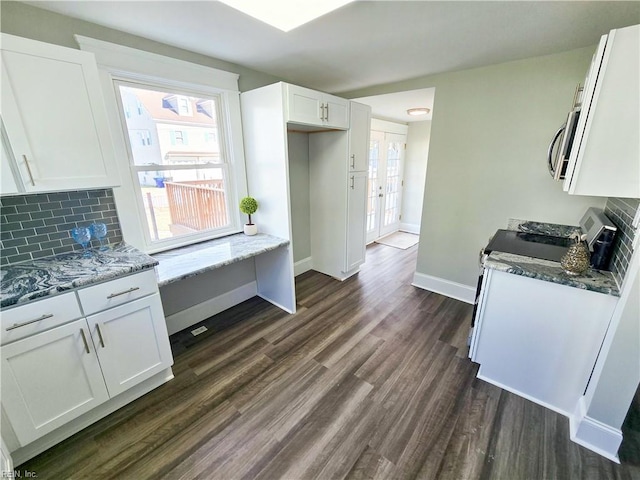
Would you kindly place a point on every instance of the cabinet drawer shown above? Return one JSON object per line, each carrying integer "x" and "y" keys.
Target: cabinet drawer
{"x": 116, "y": 292}
{"x": 38, "y": 316}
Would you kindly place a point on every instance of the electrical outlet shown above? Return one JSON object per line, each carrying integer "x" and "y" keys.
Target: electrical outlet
{"x": 199, "y": 330}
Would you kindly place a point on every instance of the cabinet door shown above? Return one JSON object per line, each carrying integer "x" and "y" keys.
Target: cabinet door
{"x": 132, "y": 342}
{"x": 55, "y": 117}
{"x": 538, "y": 339}
{"x": 8, "y": 182}
{"x": 336, "y": 114}
{"x": 359, "y": 134}
{"x": 304, "y": 105}
{"x": 605, "y": 152}
{"x": 356, "y": 220}
{"x": 49, "y": 379}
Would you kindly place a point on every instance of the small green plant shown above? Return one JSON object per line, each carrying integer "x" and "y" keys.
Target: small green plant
{"x": 248, "y": 206}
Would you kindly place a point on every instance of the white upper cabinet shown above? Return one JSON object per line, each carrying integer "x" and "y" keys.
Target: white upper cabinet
{"x": 605, "y": 156}
{"x": 54, "y": 115}
{"x": 8, "y": 182}
{"x": 310, "y": 107}
{"x": 359, "y": 137}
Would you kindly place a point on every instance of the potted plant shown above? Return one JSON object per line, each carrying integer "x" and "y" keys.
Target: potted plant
{"x": 248, "y": 206}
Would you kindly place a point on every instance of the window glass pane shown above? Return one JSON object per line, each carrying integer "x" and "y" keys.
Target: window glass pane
{"x": 183, "y": 129}
{"x": 182, "y": 202}
{"x": 177, "y": 162}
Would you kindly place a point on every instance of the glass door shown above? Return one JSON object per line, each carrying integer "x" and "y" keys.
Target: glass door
{"x": 384, "y": 200}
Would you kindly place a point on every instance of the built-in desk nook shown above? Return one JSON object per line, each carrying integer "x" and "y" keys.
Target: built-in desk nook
{"x": 274, "y": 278}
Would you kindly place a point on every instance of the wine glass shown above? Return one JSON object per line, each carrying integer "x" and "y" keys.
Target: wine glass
{"x": 82, "y": 235}
{"x": 99, "y": 230}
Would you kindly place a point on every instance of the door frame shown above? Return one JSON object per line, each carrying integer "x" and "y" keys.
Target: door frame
{"x": 386, "y": 129}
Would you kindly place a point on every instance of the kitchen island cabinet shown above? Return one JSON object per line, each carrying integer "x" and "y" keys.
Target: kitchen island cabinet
{"x": 55, "y": 119}
{"x": 539, "y": 339}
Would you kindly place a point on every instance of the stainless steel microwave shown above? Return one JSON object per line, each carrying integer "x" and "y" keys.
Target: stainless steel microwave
{"x": 560, "y": 147}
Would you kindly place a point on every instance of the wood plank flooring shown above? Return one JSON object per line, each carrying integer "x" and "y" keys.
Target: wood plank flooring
{"x": 368, "y": 380}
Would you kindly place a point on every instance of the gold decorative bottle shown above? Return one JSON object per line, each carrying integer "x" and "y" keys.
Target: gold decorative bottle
{"x": 576, "y": 260}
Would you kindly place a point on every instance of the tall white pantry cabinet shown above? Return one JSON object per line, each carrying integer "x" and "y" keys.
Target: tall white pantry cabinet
{"x": 338, "y": 160}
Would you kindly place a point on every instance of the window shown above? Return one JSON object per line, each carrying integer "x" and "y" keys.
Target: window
{"x": 158, "y": 167}
{"x": 183, "y": 187}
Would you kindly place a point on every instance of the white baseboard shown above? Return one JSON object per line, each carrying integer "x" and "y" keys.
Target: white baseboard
{"x": 302, "y": 266}
{"x": 410, "y": 228}
{"x": 461, "y": 292}
{"x": 192, "y": 315}
{"x": 594, "y": 435}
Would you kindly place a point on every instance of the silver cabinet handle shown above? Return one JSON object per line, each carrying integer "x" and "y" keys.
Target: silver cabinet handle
{"x": 18, "y": 325}
{"x": 26, "y": 162}
{"x": 84, "y": 340}
{"x": 327, "y": 110}
{"x": 353, "y": 182}
{"x": 353, "y": 160}
{"x": 322, "y": 111}
{"x": 133, "y": 289}
{"x": 100, "y": 335}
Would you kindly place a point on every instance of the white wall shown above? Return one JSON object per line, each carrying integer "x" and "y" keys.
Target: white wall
{"x": 487, "y": 156}
{"x": 298, "y": 145}
{"x": 415, "y": 171}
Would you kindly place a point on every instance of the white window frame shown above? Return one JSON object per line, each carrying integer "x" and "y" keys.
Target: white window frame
{"x": 116, "y": 62}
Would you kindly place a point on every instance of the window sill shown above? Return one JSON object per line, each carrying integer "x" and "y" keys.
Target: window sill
{"x": 184, "y": 262}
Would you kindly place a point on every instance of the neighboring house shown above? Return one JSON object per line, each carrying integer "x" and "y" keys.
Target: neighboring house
{"x": 170, "y": 130}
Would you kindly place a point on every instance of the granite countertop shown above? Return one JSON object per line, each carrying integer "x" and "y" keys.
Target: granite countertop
{"x": 185, "y": 262}
{"x": 25, "y": 281}
{"x": 546, "y": 270}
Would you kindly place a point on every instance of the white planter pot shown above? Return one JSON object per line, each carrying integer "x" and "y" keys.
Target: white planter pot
{"x": 250, "y": 229}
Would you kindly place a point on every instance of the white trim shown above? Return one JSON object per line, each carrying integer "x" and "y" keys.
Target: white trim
{"x": 461, "y": 292}
{"x": 390, "y": 127}
{"x": 410, "y": 228}
{"x": 38, "y": 446}
{"x": 594, "y": 435}
{"x": 201, "y": 311}
{"x": 120, "y": 58}
{"x": 302, "y": 266}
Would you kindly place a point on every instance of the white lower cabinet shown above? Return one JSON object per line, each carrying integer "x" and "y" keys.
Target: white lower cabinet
{"x": 539, "y": 339}
{"x": 49, "y": 379}
{"x": 356, "y": 220}
{"x": 57, "y": 367}
{"x": 131, "y": 344}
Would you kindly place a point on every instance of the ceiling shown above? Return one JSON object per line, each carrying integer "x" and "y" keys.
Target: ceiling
{"x": 394, "y": 106}
{"x": 365, "y": 43}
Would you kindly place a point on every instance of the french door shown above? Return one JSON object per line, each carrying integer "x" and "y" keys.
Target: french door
{"x": 384, "y": 199}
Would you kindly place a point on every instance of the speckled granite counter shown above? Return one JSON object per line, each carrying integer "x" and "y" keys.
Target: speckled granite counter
{"x": 186, "y": 262}
{"x": 47, "y": 276}
{"x": 540, "y": 228}
{"x": 594, "y": 280}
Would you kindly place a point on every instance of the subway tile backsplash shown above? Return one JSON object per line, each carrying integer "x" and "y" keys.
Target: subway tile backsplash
{"x": 621, "y": 212}
{"x": 37, "y": 225}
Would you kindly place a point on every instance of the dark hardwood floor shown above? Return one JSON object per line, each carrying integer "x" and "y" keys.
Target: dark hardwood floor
{"x": 369, "y": 379}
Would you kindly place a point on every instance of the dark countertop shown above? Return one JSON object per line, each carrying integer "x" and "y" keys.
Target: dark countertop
{"x": 546, "y": 270}
{"x": 22, "y": 282}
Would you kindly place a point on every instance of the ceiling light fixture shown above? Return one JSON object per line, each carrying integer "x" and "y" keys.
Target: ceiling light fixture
{"x": 286, "y": 14}
{"x": 418, "y": 111}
